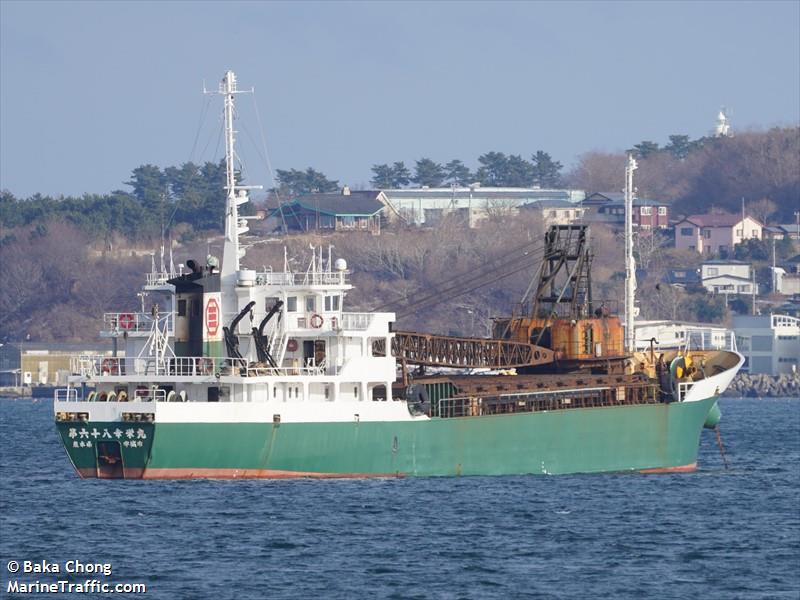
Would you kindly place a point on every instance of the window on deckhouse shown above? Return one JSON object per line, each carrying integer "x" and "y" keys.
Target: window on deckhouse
{"x": 331, "y": 303}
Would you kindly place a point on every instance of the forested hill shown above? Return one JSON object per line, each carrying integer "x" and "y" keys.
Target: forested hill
{"x": 760, "y": 167}
{"x": 696, "y": 176}
{"x": 158, "y": 201}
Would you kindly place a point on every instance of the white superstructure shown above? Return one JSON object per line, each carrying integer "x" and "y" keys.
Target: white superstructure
{"x": 226, "y": 333}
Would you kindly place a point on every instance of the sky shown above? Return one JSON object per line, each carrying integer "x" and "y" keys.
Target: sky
{"x": 91, "y": 90}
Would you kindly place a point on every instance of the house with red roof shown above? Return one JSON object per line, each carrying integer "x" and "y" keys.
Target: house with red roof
{"x": 709, "y": 234}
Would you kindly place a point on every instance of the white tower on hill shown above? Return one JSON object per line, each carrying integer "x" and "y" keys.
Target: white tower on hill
{"x": 723, "y": 127}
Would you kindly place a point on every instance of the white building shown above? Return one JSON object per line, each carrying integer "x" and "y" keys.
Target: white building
{"x": 770, "y": 343}
{"x": 427, "y": 206}
{"x": 669, "y": 335}
{"x": 727, "y": 277}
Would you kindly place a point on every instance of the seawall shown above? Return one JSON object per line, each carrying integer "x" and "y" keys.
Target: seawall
{"x": 775, "y": 386}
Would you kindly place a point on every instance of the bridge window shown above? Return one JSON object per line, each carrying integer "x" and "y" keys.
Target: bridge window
{"x": 181, "y": 308}
{"x": 311, "y": 304}
{"x": 331, "y": 303}
{"x": 291, "y": 304}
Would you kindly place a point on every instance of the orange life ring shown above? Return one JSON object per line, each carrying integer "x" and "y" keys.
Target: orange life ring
{"x": 317, "y": 321}
{"x": 110, "y": 366}
{"x": 291, "y": 346}
{"x": 126, "y": 321}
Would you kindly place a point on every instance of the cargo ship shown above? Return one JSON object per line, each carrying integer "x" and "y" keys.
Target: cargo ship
{"x": 238, "y": 373}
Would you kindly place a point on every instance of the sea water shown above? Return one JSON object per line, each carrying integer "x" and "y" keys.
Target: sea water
{"x": 717, "y": 533}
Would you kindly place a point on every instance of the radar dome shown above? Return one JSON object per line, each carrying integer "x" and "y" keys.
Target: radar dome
{"x": 340, "y": 264}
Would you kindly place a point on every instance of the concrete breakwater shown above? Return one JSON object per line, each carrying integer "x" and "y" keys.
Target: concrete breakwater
{"x": 775, "y": 386}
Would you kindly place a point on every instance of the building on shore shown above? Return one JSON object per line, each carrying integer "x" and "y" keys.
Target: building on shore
{"x": 710, "y": 234}
{"x": 728, "y": 277}
{"x": 609, "y": 208}
{"x": 43, "y": 363}
{"x": 769, "y": 343}
{"x": 670, "y": 335}
{"x": 429, "y": 206}
{"x": 347, "y": 210}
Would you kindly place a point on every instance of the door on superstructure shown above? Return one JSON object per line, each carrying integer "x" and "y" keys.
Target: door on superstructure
{"x": 319, "y": 353}
{"x": 308, "y": 353}
{"x": 314, "y": 352}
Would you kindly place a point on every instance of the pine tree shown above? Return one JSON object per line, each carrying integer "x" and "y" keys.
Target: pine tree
{"x": 457, "y": 173}
{"x": 428, "y": 173}
{"x": 546, "y": 171}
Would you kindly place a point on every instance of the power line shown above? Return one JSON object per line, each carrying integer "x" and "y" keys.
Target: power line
{"x": 494, "y": 263}
{"x": 461, "y": 285}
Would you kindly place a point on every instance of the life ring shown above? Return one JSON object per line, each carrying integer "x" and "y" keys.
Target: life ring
{"x": 291, "y": 346}
{"x": 316, "y": 321}
{"x": 110, "y": 366}
{"x": 122, "y": 396}
{"x": 126, "y": 321}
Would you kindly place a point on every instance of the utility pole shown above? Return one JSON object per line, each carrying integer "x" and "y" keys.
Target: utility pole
{"x": 774, "y": 272}
{"x": 630, "y": 266}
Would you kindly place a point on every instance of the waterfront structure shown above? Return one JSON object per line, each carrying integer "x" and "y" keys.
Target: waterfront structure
{"x": 428, "y": 206}
{"x": 663, "y": 334}
{"x": 42, "y": 363}
{"x": 715, "y": 233}
{"x": 769, "y": 343}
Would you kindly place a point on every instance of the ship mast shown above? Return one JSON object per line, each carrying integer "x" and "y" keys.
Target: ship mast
{"x": 630, "y": 265}
{"x": 236, "y": 196}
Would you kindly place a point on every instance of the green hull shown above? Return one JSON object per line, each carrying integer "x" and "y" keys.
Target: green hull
{"x": 622, "y": 438}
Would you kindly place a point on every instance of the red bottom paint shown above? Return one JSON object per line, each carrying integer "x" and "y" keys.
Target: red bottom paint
{"x": 234, "y": 474}
{"x": 682, "y": 469}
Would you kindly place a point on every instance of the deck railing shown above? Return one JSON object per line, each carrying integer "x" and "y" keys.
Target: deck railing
{"x": 99, "y": 366}
{"x": 344, "y": 322}
{"x": 547, "y": 400}
{"x": 316, "y": 278}
{"x": 356, "y": 321}
{"x": 68, "y": 395}
{"x": 133, "y": 322}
